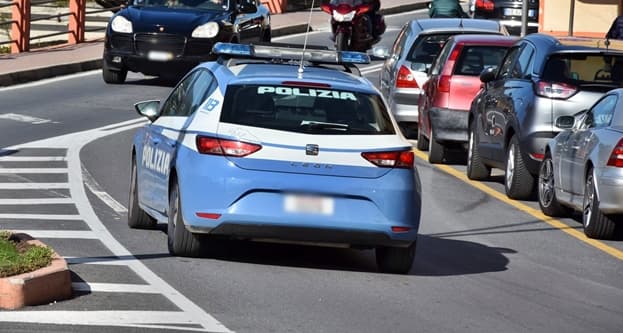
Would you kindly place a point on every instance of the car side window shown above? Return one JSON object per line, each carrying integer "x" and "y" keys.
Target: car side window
{"x": 441, "y": 59}
{"x": 600, "y": 115}
{"x": 175, "y": 105}
{"x": 506, "y": 70}
{"x": 400, "y": 41}
{"x": 204, "y": 84}
{"x": 523, "y": 66}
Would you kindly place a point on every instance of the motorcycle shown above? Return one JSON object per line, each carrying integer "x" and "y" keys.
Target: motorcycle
{"x": 351, "y": 23}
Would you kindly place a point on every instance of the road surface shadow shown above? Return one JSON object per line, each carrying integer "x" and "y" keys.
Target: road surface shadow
{"x": 155, "y": 81}
{"x": 435, "y": 256}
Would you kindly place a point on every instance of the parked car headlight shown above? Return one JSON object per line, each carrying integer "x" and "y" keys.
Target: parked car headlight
{"x": 345, "y": 17}
{"x": 207, "y": 30}
{"x": 121, "y": 24}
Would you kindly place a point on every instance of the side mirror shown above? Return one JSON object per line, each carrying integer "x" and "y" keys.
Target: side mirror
{"x": 379, "y": 53}
{"x": 246, "y": 7}
{"x": 148, "y": 109}
{"x": 565, "y": 122}
{"x": 487, "y": 75}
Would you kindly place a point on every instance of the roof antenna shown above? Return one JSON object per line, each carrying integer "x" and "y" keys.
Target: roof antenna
{"x": 300, "y": 71}
{"x": 461, "y": 23}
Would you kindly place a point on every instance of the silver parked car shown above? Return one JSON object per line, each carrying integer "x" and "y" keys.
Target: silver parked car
{"x": 406, "y": 65}
{"x": 583, "y": 167}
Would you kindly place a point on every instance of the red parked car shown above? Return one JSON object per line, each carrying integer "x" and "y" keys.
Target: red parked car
{"x": 454, "y": 82}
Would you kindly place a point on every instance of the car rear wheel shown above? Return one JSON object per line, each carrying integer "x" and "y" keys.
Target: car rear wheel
{"x": 596, "y": 223}
{"x": 395, "y": 260}
{"x": 436, "y": 151}
{"x": 137, "y": 218}
{"x": 181, "y": 242}
{"x": 476, "y": 169}
{"x": 547, "y": 190}
{"x": 518, "y": 182}
{"x": 422, "y": 141}
{"x": 112, "y": 76}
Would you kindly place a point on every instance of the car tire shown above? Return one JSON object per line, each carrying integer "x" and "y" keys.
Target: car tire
{"x": 596, "y": 224}
{"x": 112, "y": 76}
{"x": 422, "y": 141}
{"x": 137, "y": 217}
{"x": 395, "y": 260}
{"x": 341, "y": 42}
{"x": 548, "y": 202}
{"x": 518, "y": 182}
{"x": 436, "y": 151}
{"x": 181, "y": 242}
{"x": 267, "y": 36}
{"x": 476, "y": 169}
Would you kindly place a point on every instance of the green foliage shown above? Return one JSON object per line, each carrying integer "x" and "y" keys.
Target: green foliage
{"x": 20, "y": 257}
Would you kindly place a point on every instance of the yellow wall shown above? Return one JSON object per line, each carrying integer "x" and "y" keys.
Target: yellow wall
{"x": 592, "y": 17}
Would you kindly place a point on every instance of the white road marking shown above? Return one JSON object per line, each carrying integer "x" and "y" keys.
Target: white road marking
{"x": 113, "y": 261}
{"x": 33, "y": 170}
{"x": 33, "y": 186}
{"x": 25, "y": 119}
{"x": 40, "y": 217}
{"x": 52, "y": 80}
{"x": 114, "y": 288}
{"x": 190, "y": 314}
{"x": 37, "y": 201}
{"x": 97, "y": 190}
{"x": 32, "y": 158}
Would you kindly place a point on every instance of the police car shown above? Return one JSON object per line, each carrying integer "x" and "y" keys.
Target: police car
{"x": 277, "y": 143}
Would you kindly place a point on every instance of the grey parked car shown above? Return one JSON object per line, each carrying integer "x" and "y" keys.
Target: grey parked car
{"x": 406, "y": 65}
{"x": 583, "y": 167}
{"x": 540, "y": 79}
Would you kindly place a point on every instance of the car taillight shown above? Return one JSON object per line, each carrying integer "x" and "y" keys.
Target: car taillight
{"x": 405, "y": 78}
{"x": 444, "y": 83}
{"x": 557, "y": 90}
{"x": 215, "y": 146}
{"x": 616, "y": 158}
{"x": 391, "y": 159}
{"x": 485, "y": 5}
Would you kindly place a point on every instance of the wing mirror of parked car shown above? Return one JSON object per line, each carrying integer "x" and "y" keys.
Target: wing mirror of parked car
{"x": 379, "y": 53}
{"x": 149, "y": 109}
{"x": 487, "y": 75}
{"x": 565, "y": 122}
{"x": 246, "y": 7}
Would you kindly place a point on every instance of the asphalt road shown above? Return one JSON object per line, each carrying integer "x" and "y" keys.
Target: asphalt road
{"x": 483, "y": 264}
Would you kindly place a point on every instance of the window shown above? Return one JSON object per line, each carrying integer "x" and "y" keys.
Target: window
{"x": 426, "y": 48}
{"x": 523, "y": 66}
{"x": 506, "y": 69}
{"x": 474, "y": 59}
{"x": 401, "y": 39}
{"x": 441, "y": 59}
{"x": 585, "y": 69}
{"x": 189, "y": 94}
{"x": 601, "y": 114}
{"x": 306, "y": 110}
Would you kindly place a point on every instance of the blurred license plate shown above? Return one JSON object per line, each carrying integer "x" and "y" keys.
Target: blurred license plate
{"x": 308, "y": 204}
{"x": 512, "y": 12}
{"x": 159, "y": 56}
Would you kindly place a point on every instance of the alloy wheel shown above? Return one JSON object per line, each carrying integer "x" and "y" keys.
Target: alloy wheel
{"x": 588, "y": 200}
{"x": 510, "y": 166}
{"x": 546, "y": 183}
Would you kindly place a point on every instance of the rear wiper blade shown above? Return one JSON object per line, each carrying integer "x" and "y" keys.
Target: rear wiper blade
{"x": 323, "y": 125}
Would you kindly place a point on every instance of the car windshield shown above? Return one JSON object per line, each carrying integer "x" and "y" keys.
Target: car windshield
{"x": 584, "y": 69}
{"x": 195, "y": 4}
{"x": 306, "y": 110}
{"x": 474, "y": 59}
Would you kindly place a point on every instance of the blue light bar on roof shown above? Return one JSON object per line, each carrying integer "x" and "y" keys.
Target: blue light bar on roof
{"x": 290, "y": 53}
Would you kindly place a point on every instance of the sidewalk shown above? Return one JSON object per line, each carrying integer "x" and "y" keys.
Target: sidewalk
{"x": 67, "y": 59}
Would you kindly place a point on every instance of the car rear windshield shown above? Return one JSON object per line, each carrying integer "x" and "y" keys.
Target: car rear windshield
{"x": 584, "y": 69}
{"x": 474, "y": 59}
{"x": 427, "y": 47}
{"x": 306, "y": 110}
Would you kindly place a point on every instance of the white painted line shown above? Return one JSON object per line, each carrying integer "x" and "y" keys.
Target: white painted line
{"x": 38, "y": 201}
{"x": 114, "y": 288}
{"x": 70, "y": 234}
{"x": 25, "y": 119}
{"x": 32, "y": 158}
{"x": 40, "y": 217}
{"x": 32, "y": 170}
{"x": 97, "y": 190}
{"x": 52, "y": 80}
{"x": 33, "y": 186}
{"x": 112, "y": 261}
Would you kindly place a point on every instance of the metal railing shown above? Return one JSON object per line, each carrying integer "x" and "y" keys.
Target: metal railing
{"x": 21, "y": 20}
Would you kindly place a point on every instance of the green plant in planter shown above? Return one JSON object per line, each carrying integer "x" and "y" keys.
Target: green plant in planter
{"x": 17, "y": 257}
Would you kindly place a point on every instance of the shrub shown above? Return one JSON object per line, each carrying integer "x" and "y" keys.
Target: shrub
{"x": 17, "y": 257}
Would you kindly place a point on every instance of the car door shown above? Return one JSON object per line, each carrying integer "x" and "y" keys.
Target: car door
{"x": 431, "y": 87}
{"x": 166, "y": 132}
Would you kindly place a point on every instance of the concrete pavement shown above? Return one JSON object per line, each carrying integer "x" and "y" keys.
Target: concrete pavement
{"x": 67, "y": 59}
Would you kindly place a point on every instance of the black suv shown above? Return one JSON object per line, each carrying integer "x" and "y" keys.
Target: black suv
{"x": 169, "y": 37}
{"x": 508, "y": 13}
{"x": 540, "y": 79}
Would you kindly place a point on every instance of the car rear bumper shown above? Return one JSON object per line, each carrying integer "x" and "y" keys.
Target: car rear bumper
{"x": 610, "y": 189}
{"x": 514, "y": 27}
{"x": 404, "y": 105}
{"x": 449, "y": 124}
{"x": 532, "y": 146}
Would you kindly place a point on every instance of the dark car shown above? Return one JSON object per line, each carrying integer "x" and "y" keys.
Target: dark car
{"x": 540, "y": 79}
{"x": 509, "y": 13}
{"x": 169, "y": 37}
{"x": 453, "y": 83}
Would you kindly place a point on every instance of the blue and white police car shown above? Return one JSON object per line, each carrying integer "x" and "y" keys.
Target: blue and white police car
{"x": 276, "y": 143}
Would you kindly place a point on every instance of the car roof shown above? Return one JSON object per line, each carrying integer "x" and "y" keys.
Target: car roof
{"x": 484, "y": 39}
{"x": 454, "y": 24}
{"x": 276, "y": 74}
{"x": 557, "y": 44}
